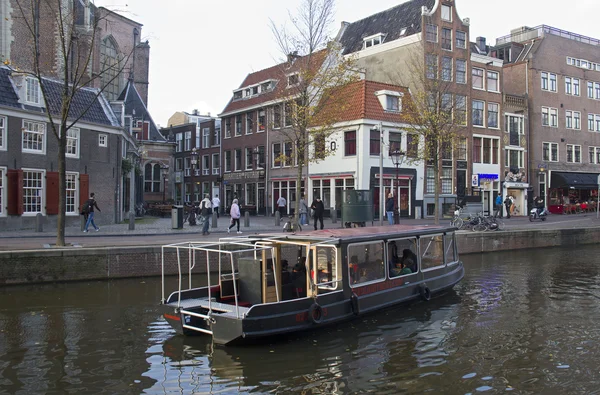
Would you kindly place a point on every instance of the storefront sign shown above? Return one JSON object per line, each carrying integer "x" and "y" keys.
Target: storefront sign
{"x": 488, "y": 176}
{"x": 246, "y": 175}
{"x": 475, "y": 180}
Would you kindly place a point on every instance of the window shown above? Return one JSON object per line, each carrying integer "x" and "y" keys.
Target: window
{"x": 573, "y": 153}
{"x": 392, "y": 103}
{"x": 447, "y": 104}
{"x": 569, "y": 119}
{"x": 238, "y": 160}
{"x": 320, "y": 149}
{"x": 248, "y": 158}
{"x": 431, "y": 33}
{"x": 446, "y": 178}
{"x": 596, "y": 90}
{"x": 373, "y": 40}
{"x": 216, "y": 164}
{"x": 594, "y": 153}
{"x": 3, "y": 144}
{"x": 366, "y": 263}
{"x": 554, "y": 117}
{"x": 73, "y": 143}
{"x": 33, "y": 191}
{"x": 188, "y": 166}
{"x": 374, "y": 142}
{"x": 71, "y": 193}
{"x": 276, "y": 116}
{"x": 260, "y": 161}
{"x": 577, "y": 120}
{"x": 350, "y": 143}
{"x": 395, "y": 141}
{"x": 288, "y": 114}
{"x": 513, "y": 158}
{"x": 206, "y": 138}
{"x": 430, "y": 180}
{"x": 178, "y": 164}
{"x": 477, "y": 77}
{"x": 545, "y": 85}
{"x": 227, "y": 161}
{"x": 461, "y": 148}
{"x": 152, "y": 177}
{"x": 493, "y": 115}
{"x": 447, "y": 39}
{"x": 597, "y": 117}
{"x": 492, "y": 81}
{"x": 568, "y": 86}
{"x": 447, "y": 13}
{"x": 111, "y": 67}
{"x": 550, "y": 117}
{"x": 590, "y": 89}
{"x": 545, "y": 116}
{"x": 432, "y": 251}
{"x": 276, "y": 155}
{"x": 477, "y": 113}
{"x": 486, "y": 150}
{"x": 552, "y": 82}
{"x": 238, "y": 125}
{"x": 228, "y": 128}
{"x": 188, "y": 141}
{"x": 261, "y": 121}
{"x": 3, "y": 202}
{"x": 550, "y": 152}
{"x": 197, "y": 142}
{"x": 431, "y": 66}
{"x": 32, "y": 91}
{"x": 205, "y": 165}
{"x": 576, "y": 90}
{"x": 249, "y": 122}
{"x": 461, "y": 39}
{"x": 447, "y": 68}
{"x": 293, "y": 79}
{"x": 412, "y": 145}
{"x": 461, "y": 71}
{"x": 288, "y": 151}
{"x": 179, "y": 142}
{"x": 591, "y": 122}
{"x": 460, "y": 109}
{"x": 217, "y": 136}
{"x": 34, "y": 137}
{"x": 514, "y": 124}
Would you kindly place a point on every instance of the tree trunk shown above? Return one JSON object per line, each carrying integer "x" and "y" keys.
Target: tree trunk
{"x": 62, "y": 187}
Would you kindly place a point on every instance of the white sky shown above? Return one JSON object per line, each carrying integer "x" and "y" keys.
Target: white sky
{"x": 201, "y": 50}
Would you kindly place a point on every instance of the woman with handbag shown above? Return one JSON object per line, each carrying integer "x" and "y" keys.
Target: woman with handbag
{"x": 235, "y": 216}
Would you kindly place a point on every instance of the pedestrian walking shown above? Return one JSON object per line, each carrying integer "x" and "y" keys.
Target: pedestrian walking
{"x": 91, "y": 205}
{"x": 319, "y": 208}
{"x": 205, "y": 211}
{"x": 303, "y": 212}
{"x": 281, "y": 204}
{"x": 235, "y": 216}
{"x": 216, "y": 202}
{"x": 389, "y": 208}
{"x": 498, "y": 213}
{"x": 507, "y": 204}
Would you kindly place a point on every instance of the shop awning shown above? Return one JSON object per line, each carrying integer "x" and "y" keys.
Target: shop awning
{"x": 574, "y": 180}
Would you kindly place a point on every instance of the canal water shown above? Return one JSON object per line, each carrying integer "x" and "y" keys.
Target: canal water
{"x": 523, "y": 322}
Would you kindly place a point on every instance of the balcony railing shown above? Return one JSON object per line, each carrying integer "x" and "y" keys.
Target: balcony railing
{"x": 216, "y": 170}
{"x": 541, "y": 30}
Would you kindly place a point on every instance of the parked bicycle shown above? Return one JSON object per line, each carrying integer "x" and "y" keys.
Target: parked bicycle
{"x": 291, "y": 225}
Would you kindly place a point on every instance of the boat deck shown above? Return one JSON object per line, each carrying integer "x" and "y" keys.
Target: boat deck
{"x": 188, "y": 304}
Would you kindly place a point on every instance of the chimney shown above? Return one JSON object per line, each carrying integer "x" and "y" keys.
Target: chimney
{"x": 292, "y": 56}
{"x": 195, "y": 111}
{"x": 481, "y": 44}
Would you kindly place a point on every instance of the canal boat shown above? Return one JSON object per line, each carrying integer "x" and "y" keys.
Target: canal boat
{"x": 246, "y": 288}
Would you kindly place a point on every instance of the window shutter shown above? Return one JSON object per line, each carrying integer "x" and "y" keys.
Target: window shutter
{"x": 84, "y": 188}
{"x": 15, "y": 192}
{"x": 52, "y": 193}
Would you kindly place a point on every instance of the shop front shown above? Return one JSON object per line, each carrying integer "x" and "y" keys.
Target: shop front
{"x": 402, "y": 187}
{"x": 486, "y": 185}
{"x": 249, "y": 188}
{"x": 286, "y": 187}
{"x": 569, "y": 190}
{"x": 330, "y": 189}
{"x": 518, "y": 191}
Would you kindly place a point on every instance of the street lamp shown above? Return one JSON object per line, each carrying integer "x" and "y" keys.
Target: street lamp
{"x": 194, "y": 161}
{"x": 397, "y": 158}
{"x": 165, "y": 171}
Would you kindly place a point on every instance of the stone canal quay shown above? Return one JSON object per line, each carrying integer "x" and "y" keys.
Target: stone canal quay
{"x": 113, "y": 253}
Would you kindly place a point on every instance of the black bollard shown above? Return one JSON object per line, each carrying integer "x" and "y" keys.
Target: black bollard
{"x": 39, "y": 222}
{"x": 246, "y": 219}
{"x": 277, "y": 218}
{"x": 214, "y": 220}
{"x": 333, "y": 214}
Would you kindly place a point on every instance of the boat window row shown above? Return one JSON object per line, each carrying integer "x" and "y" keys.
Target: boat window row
{"x": 381, "y": 260}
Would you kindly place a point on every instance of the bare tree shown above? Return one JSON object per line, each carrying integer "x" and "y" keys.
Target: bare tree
{"x": 434, "y": 116}
{"x": 315, "y": 70}
{"x": 75, "y": 43}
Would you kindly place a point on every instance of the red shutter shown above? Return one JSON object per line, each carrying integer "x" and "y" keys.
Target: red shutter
{"x": 15, "y": 192}
{"x": 84, "y": 188}
{"x": 52, "y": 193}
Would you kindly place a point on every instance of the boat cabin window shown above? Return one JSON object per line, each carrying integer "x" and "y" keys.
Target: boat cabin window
{"x": 432, "y": 251}
{"x": 327, "y": 276}
{"x": 451, "y": 250}
{"x": 401, "y": 257}
{"x": 365, "y": 263}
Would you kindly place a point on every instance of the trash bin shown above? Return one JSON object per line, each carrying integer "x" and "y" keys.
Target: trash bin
{"x": 177, "y": 217}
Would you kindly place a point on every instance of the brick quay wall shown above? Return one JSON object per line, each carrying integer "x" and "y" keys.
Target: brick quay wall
{"x": 81, "y": 264}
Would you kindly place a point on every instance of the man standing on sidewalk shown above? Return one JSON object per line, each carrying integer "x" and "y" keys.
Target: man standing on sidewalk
{"x": 281, "y": 203}
{"x": 216, "y": 202}
{"x": 498, "y": 213}
{"x": 91, "y": 204}
{"x": 319, "y": 208}
{"x": 205, "y": 210}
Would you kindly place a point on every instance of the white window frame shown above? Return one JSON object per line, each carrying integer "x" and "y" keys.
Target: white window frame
{"x": 188, "y": 141}
{"x": 464, "y": 42}
{"x": 216, "y": 164}
{"x": 3, "y": 191}
{"x": 553, "y": 82}
{"x": 248, "y": 159}
{"x": 590, "y": 89}
{"x": 237, "y": 166}
{"x": 42, "y": 127}
{"x": 463, "y": 71}
{"x": 595, "y": 155}
{"x": 569, "y": 119}
{"x": 73, "y": 142}
{"x": 227, "y": 166}
{"x": 497, "y": 79}
{"x": 427, "y": 33}
{"x": 446, "y": 13}
{"x": 544, "y": 81}
{"x": 573, "y": 150}
{"x": 576, "y": 87}
{"x": 553, "y": 120}
{"x": 576, "y": 120}
{"x": 206, "y": 138}
{"x": 32, "y": 91}
{"x": 520, "y": 159}
{"x": 74, "y": 193}
{"x": 447, "y": 73}
{"x": 550, "y": 146}
{"x": 41, "y": 193}
{"x": 597, "y": 121}
{"x": 103, "y": 140}
{"x": 482, "y": 88}
{"x": 497, "y": 115}
{"x": 491, "y": 140}
{"x": 591, "y": 117}
{"x": 205, "y": 161}
{"x": 482, "y": 113}
{"x": 447, "y": 29}
{"x": 3, "y": 133}
{"x": 179, "y": 142}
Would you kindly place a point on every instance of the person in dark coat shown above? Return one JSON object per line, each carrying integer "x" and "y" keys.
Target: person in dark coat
{"x": 319, "y": 208}
{"x": 389, "y": 208}
{"x": 409, "y": 260}
{"x": 507, "y": 204}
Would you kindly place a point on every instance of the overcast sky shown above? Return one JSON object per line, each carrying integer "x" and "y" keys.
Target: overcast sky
{"x": 201, "y": 50}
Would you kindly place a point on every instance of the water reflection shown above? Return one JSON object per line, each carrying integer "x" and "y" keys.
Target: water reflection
{"x": 521, "y": 321}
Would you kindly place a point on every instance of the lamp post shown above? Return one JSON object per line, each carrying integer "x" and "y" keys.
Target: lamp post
{"x": 165, "y": 171}
{"x": 194, "y": 161}
{"x": 397, "y": 158}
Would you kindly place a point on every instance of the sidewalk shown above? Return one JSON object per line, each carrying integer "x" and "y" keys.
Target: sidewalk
{"x": 158, "y": 231}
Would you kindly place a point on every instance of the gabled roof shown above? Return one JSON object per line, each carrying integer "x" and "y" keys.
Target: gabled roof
{"x": 133, "y": 101}
{"x": 362, "y": 103}
{"x": 95, "y": 109}
{"x": 389, "y": 22}
{"x": 277, "y": 73}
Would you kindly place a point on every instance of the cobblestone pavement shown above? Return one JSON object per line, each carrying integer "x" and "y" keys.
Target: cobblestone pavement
{"x": 158, "y": 231}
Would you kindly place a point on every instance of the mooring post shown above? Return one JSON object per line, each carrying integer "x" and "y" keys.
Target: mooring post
{"x": 246, "y": 219}
{"x": 277, "y": 218}
{"x": 39, "y": 222}
{"x": 214, "y": 220}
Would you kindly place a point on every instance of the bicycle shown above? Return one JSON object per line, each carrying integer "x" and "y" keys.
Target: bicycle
{"x": 291, "y": 226}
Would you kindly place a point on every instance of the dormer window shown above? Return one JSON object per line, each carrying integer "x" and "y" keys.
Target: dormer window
{"x": 237, "y": 95}
{"x": 391, "y": 101}
{"x": 293, "y": 79}
{"x": 447, "y": 13}
{"x": 255, "y": 90}
{"x": 32, "y": 90}
{"x": 373, "y": 40}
